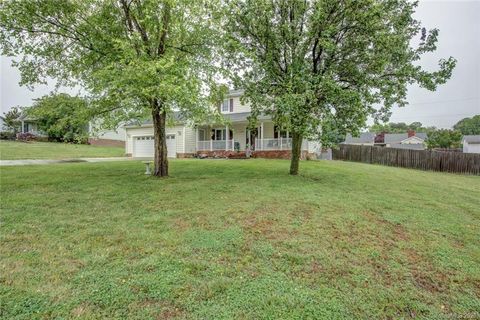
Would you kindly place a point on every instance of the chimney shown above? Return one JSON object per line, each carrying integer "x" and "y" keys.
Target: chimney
{"x": 411, "y": 133}
{"x": 380, "y": 137}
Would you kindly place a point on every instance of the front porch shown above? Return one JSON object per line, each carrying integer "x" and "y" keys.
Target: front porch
{"x": 237, "y": 137}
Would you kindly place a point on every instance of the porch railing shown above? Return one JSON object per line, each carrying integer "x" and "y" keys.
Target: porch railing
{"x": 273, "y": 144}
{"x": 215, "y": 145}
{"x": 276, "y": 144}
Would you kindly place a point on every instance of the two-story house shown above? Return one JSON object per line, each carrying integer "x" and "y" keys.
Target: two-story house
{"x": 218, "y": 140}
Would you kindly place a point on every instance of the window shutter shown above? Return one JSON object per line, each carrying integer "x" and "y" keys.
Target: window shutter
{"x": 231, "y": 105}
{"x": 220, "y": 107}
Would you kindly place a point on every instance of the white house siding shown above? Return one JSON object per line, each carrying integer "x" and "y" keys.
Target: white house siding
{"x": 268, "y": 130}
{"x": 97, "y": 133}
{"x": 118, "y": 134}
{"x": 190, "y": 140}
{"x": 178, "y": 131}
{"x": 471, "y": 147}
{"x": 238, "y": 107}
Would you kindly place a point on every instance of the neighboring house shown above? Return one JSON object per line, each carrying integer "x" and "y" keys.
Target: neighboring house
{"x": 101, "y": 137}
{"x": 187, "y": 140}
{"x": 471, "y": 144}
{"x": 29, "y": 125}
{"x": 409, "y": 140}
{"x": 364, "y": 139}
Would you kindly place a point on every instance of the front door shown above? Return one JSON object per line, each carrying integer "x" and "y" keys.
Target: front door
{"x": 252, "y": 135}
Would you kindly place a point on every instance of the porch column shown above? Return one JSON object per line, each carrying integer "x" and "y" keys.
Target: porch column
{"x": 196, "y": 138}
{"x": 211, "y": 139}
{"x": 261, "y": 135}
{"x": 226, "y": 137}
{"x": 22, "y": 129}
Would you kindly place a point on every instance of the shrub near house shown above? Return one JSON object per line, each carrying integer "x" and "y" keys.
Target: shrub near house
{"x": 62, "y": 117}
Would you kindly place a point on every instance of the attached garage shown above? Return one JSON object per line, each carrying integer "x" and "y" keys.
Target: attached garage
{"x": 143, "y": 146}
{"x": 140, "y": 144}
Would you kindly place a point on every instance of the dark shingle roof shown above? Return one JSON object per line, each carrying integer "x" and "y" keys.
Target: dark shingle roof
{"x": 365, "y": 137}
{"x": 232, "y": 117}
{"x": 398, "y": 137}
{"x": 412, "y": 146}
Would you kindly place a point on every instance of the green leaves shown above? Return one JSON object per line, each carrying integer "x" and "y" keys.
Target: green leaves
{"x": 123, "y": 53}
{"x": 468, "y": 126}
{"x": 330, "y": 64}
{"x": 444, "y": 138}
{"x": 62, "y": 117}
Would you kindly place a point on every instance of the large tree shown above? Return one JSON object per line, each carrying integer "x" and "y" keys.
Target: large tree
{"x": 133, "y": 57}
{"x": 469, "y": 126}
{"x": 400, "y": 127}
{"x": 322, "y": 65}
{"x": 444, "y": 138}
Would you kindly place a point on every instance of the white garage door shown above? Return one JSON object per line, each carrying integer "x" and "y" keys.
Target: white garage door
{"x": 143, "y": 146}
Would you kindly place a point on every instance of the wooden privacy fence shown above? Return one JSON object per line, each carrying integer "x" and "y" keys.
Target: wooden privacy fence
{"x": 468, "y": 163}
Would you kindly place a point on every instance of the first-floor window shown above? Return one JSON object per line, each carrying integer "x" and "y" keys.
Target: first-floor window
{"x": 221, "y": 134}
{"x": 201, "y": 135}
{"x": 279, "y": 133}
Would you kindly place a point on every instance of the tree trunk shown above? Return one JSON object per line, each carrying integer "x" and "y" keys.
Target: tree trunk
{"x": 160, "y": 141}
{"x": 296, "y": 152}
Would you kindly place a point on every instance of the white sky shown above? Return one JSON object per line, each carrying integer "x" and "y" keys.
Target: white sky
{"x": 459, "y": 24}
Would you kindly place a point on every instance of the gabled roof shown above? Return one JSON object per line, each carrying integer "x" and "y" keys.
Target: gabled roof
{"x": 412, "y": 146}
{"x": 474, "y": 139}
{"x": 235, "y": 92}
{"x": 365, "y": 137}
{"x": 232, "y": 117}
{"x": 399, "y": 137}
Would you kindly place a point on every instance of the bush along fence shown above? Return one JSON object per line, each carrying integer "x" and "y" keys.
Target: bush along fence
{"x": 468, "y": 163}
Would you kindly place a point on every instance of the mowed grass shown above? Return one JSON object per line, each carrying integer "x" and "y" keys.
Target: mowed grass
{"x": 15, "y": 150}
{"x": 238, "y": 239}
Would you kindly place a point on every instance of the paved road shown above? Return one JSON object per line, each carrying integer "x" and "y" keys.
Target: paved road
{"x": 49, "y": 161}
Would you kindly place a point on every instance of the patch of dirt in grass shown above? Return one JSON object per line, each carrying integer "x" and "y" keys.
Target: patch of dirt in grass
{"x": 162, "y": 310}
{"x": 266, "y": 228}
{"x": 181, "y": 224}
{"x": 81, "y": 310}
{"x": 398, "y": 231}
{"x": 425, "y": 275}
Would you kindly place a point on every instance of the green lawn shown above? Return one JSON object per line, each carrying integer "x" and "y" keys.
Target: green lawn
{"x": 238, "y": 239}
{"x": 13, "y": 150}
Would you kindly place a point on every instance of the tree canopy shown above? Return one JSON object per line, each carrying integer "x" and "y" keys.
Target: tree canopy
{"x": 444, "y": 138}
{"x": 468, "y": 126}
{"x": 317, "y": 66}
{"x": 400, "y": 127}
{"x": 133, "y": 58}
{"x": 62, "y": 117}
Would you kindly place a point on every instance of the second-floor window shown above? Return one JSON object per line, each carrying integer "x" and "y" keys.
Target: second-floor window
{"x": 226, "y": 105}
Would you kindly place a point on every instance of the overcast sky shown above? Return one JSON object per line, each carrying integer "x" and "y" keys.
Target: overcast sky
{"x": 459, "y": 24}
